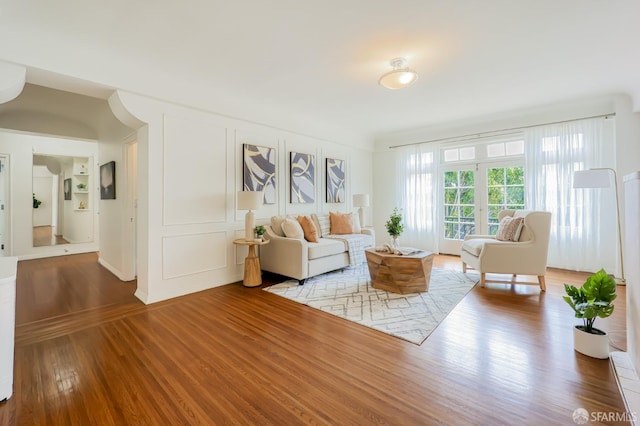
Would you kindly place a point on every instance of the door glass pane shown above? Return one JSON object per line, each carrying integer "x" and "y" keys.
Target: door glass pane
{"x": 515, "y": 175}
{"x": 495, "y": 177}
{"x": 505, "y": 190}
{"x": 466, "y": 179}
{"x": 459, "y": 204}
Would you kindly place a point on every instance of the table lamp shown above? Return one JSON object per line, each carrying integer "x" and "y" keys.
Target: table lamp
{"x": 249, "y": 200}
{"x": 361, "y": 200}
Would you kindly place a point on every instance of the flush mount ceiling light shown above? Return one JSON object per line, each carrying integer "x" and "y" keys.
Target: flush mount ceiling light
{"x": 400, "y": 77}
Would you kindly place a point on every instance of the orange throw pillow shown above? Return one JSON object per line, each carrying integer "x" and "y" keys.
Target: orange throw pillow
{"x": 341, "y": 223}
{"x": 309, "y": 229}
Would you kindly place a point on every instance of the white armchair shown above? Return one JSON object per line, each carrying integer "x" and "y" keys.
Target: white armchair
{"x": 527, "y": 256}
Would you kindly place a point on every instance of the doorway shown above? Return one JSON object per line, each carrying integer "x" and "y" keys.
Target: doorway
{"x": 130, "y": 246}
{"x": 473, "y": 197}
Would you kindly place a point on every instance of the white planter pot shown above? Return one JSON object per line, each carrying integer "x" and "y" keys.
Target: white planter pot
{"x": 593, "y": 345}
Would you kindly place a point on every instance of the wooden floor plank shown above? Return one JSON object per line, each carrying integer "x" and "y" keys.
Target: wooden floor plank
{"x": 236, "y": 355}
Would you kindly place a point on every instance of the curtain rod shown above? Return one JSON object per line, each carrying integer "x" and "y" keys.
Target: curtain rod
{"x": 501, "y": 132}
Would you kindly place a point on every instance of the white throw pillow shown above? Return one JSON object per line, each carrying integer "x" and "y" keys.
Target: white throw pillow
{"x": 357, "y": 227}
{"x": 323, "y": 224}
{"x": 292, "y": 229}
{"x": 509, "y": 228}
{"x": 276, "y": 225}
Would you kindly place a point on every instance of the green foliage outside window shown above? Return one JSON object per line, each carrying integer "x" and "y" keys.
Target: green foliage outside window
{"x": 505, "y": 190}
{"x": 459, "y": 203}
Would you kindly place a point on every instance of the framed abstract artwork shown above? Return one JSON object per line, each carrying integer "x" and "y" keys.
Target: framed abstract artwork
{"x": 108, "y": 181}
{"x": 259, "y": 171}
{"x": 335, "y": 181}
{"x": 302, "y": 178}
{"x": 67, "y": 189}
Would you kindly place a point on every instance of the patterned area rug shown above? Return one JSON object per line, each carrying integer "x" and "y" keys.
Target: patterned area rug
{"x": 348, "y": 294}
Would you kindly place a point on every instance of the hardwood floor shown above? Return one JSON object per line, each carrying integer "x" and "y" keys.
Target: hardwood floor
{"x": 46, "y": 236}
{"x": 55, "y": 286}
{"x": 236, "y": 355}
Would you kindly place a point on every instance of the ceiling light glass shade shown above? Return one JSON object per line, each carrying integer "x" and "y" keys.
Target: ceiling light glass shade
{"x": 400, "y": 77}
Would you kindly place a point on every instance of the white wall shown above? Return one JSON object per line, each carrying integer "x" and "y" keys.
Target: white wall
{"x": 632, "y": 190}
{"x": 112, "y": 213}
{"x": 20, "y": 149}
{"x": 190, "y": 169}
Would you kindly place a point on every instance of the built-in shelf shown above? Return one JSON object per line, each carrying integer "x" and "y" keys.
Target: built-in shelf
{"x": 81, "y": 210}
{"x": 81, "y": 177}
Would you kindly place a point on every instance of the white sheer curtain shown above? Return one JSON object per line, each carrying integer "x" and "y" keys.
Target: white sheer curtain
{"x": 583, "y": 224}
{"x": 417, "y": 192}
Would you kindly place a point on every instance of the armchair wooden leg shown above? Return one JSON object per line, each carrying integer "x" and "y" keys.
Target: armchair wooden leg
{"x": 543, "y": 285}
{"x": 464, "y": 267}
{"x": 482, "y": 278}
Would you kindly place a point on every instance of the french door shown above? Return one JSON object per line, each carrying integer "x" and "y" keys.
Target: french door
{"x": 473, "y": 195}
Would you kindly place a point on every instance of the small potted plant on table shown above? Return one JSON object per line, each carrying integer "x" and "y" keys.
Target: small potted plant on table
{"x": 591, "y": 301}
{"x": 259, "y": 232}
{"x": 394, "y": 226}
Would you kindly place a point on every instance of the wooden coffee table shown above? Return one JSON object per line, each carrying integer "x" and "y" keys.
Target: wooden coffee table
{"x": 400, "y": 274}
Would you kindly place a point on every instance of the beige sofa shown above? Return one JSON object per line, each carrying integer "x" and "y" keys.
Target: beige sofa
{"x": 301, "y": 259}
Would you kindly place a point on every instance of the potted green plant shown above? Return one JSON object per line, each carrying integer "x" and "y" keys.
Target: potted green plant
{"x": 82, "y": 186}
{"x": 259, "y": 232}
{"x": 589, "y": 302}
{"x": 36, "y": 202}
{"x": 394, "y": 225}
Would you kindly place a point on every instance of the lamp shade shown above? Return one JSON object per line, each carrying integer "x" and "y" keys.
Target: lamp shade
{"x": 250, "y": 200}
{"x": 361, "y": 200}
{"x": 600, "y": 178}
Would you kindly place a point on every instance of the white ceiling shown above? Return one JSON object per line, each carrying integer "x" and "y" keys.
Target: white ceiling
{"x": 320, "y": 61}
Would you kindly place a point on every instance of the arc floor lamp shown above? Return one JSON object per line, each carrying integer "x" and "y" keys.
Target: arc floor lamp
{"x": 601, "y": 178}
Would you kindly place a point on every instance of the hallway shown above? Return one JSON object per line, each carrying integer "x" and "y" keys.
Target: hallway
{"x": 55, "y": 286}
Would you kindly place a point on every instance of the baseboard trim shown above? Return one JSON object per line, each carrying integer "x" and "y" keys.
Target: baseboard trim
{"x": 143, "y": 296}
{"x": 628, "y": 383}
{"x": 112, "y": 269}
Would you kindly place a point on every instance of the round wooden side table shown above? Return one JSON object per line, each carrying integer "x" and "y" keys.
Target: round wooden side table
{"x": 252, "y": 275}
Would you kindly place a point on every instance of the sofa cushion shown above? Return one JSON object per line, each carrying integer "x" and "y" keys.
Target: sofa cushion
{"x": 292, "y": 229}
{"x": 323, "y": 224}
{"x": 276, "y": 225}
{"x": 509, "y": 228}
{"x": 474, "y": 245}
{"x": 326, "y": 247}
{"x": 309, "y": 229}
{"x": 341, "y": 223}
{"x": 525, "y": 233}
